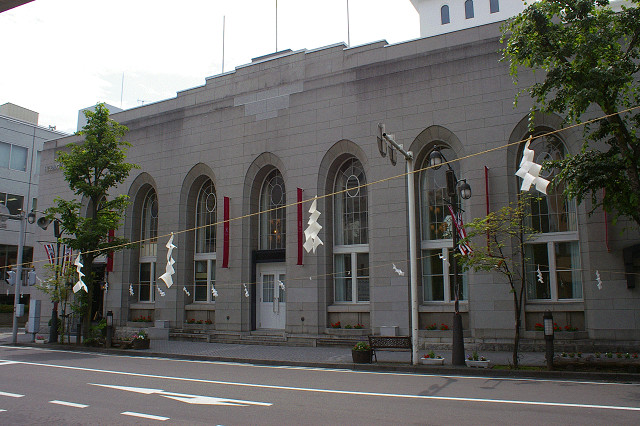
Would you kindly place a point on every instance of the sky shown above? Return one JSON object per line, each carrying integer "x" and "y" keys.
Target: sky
{"x": 64, "y": 55}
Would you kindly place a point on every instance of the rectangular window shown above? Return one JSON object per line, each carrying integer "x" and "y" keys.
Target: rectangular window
{"x": 363, "y": 276}
{"x": 559, "y": 266}
{"x": 14, "y": 203}
{"x": 147, "y": 281}
{"x": 5, "y": 153}
{"x": 437, "y": 277}
{"x": 343, "y": 281}
{"x": 205, "y": 278}
{"x": 494, "y": 6}
{"x": 18, "y": 158}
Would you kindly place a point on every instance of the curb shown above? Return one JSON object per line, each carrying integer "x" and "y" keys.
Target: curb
{"x": 377, "y": 367}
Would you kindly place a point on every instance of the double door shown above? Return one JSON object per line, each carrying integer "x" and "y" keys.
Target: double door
{"x": 272, "y": 300}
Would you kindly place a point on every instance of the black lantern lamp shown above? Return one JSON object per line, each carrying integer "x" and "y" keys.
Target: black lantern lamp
{"x": 547, "y": 320}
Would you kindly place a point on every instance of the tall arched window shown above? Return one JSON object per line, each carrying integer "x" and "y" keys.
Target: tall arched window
{"x": 555, "y": 251}
{"x": 148, "y": 247}
{"x": 436, "y": 228}
{"x": 494, "y": 6}
{"x": 273, "y": 220}
{"x": 444, "y": 15}
{"x": 351, "y": 234}
{"x": 468, "y": 9}
{"x": 205, "y": 256}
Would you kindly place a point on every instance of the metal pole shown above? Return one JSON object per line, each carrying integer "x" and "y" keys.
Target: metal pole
{"x": 457, "y": 349}
{"x": 16, "y": 298}
{"x": 413, "y": 259}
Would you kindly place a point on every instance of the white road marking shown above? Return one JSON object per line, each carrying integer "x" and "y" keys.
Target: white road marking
{"x": 12, "y": 395}
{"x": 333, "y": 391}
{"x": 68, "y": 404}
{"x": 144, "y": 416}
{"x": 184, "y": 397}
{"x": 339, "y": 370}
{"x": 7, "y": 362}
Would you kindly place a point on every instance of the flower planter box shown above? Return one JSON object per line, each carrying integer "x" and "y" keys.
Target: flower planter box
{"x": 361, "y": 357}
{"x": 432, "y": 361}
{"x": 41, "y": 341}
{"x": 140, "y": 343}
{"x": 477, "y": 364}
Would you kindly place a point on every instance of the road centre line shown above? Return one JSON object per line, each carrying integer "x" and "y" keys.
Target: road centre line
{"x": 340, "y": 370}
{"x": 68, "y": 404}
{"x": 144, "y": 416}
{"x": 334, "y": 391}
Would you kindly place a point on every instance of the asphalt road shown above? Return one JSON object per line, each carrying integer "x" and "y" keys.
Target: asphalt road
{"x": 41, "y": 386}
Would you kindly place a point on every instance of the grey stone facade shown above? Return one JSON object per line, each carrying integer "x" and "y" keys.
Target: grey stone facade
{"x": 304, "y": 113}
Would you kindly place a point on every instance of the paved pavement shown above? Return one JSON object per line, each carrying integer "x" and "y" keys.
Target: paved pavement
{"x": 330, "y": 357}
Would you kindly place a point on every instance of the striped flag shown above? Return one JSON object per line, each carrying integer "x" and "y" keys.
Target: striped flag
{"x": 67, "y": 259}
{"x": 51, "y": 253}
{"x": 462, "y": 233}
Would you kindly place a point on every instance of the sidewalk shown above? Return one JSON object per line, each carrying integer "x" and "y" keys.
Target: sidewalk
{"x": 331, "y": 357}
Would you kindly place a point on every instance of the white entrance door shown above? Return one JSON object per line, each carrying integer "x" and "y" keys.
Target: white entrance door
{"x": 272, "y": 302}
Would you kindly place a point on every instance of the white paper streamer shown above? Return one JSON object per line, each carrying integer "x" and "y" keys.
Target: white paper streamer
{"x": 397, "y": 270}
{"x": 246, "y": 290}
{"x": 444, "y": 259}
{"x": 530, "y": 171}
{"x": 167, "y": 277}
{"x": 80, "y": 284}
{"x": 186, "y": 291}
{"x": 281, "y": 284}
{"x": 311, "y": 233}
{"x": 599, "y": 285}
{"x": 162, "y": 293}
{"x": 106, "y": 286}
{"x": 131, "y": 293}
{"x": 214, "y": 292}
{"x": 540, "y": 279}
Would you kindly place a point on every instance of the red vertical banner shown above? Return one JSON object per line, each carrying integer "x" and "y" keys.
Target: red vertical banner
{"x": 225, "y": 249}
{"x": 300, "y": 231}
{"x": 112, "y": 234}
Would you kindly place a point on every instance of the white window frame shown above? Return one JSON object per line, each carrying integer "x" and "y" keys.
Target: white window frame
{"x": 208, "y": 257}
{"x": 149, "y": 249}
{"x": 353, "y": 251}
{"x": 152, "y": 276}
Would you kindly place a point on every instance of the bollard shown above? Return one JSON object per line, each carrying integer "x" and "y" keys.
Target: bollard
{"x": 548, "y": 338}
{"x": 79, "y": 333}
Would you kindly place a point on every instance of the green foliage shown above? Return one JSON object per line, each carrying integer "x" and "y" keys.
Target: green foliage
{"x": 362, "y": 346}
{"x": 92, "y": 168}
{"x": 498, "y": 241}
{"x": 590, "y": 57}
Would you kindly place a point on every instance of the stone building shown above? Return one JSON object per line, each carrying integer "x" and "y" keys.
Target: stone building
{"x": 293, "y": 125}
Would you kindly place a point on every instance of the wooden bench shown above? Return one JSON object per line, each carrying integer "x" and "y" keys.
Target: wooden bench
{"x": 391, "y": 343}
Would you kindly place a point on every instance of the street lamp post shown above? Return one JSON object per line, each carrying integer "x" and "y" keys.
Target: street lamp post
{"x": 453, "y": 187}
{"x": 383, "y": 139}
{"x": 4, "y": 215}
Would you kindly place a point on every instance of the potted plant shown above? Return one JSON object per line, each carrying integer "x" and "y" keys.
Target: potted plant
{"x": 40, "y": 339}
{"x": 140, "y": 340}
{"x": 474, "y": 360}
{"x": 361, "y": 353}
{"x": 431, "y": 359}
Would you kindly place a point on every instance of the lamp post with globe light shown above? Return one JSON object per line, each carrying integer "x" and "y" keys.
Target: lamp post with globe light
{"x": 454, "y": 187}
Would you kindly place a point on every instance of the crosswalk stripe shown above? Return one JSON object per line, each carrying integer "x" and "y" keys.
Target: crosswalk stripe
{"x": 12, "y": 395}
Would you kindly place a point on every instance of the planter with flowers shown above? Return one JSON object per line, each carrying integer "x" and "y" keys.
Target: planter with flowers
{"x": 40, "y": 339}
{"x": 431, "y": 359}
{"x": 474, "y": 360}
{"x": 140, "y": 340}
{"x": 361, "y": 353}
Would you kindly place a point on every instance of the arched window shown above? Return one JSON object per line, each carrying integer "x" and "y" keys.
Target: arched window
{"x": 494, "y": 6}
{"x": 205, "y": 256}
{"x": 468, "y": 9}
{"x": 436, "y": 228}
{"x": 148, "y": 246}
{"x": 444, "y": 15}
{"x": 555, "y": 251}
{"x": 273, "y": 220}
{"x": 351, "y": 234}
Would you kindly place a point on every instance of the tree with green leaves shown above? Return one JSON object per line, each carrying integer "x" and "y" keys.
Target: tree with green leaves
{"x": 497, "y": 244}
{"x": 590, "y": 56}
{"x": 92, "y": 168}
